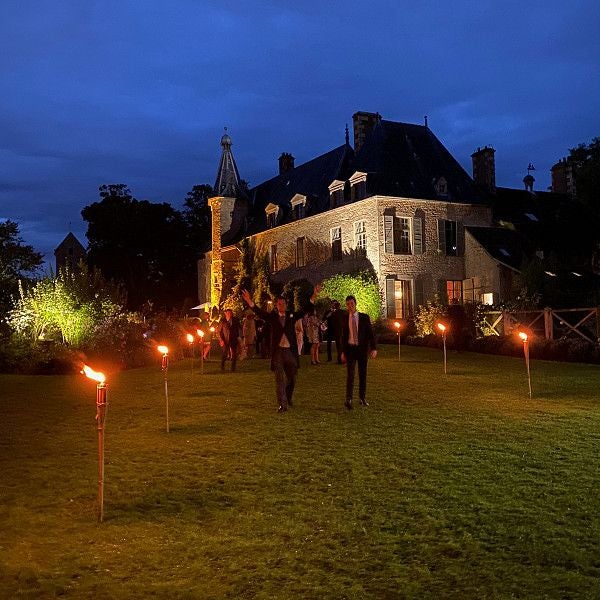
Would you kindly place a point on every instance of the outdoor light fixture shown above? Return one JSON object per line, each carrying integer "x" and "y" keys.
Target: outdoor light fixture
{"x": 164, "y": 350}
{"x": 525, "y": 339}
{"x": 443, "y": 330}
{"x": 101, "y": 409}
{"x": 398, "y": 326}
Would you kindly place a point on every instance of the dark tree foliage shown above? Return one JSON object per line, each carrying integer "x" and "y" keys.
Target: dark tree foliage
{"x": 142, "y": 245}
{"x": 197, "y": 216}
{"x": 586, "y": 158}
{"x": 17, "y": 262}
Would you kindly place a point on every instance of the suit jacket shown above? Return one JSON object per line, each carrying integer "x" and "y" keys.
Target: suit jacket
{"x": 366, "y": 337}
{"x": 277, "y": 330}
{"x": 229, "y": 331}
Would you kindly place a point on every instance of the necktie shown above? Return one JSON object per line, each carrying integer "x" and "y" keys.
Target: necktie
{"x": 354, "y": 329}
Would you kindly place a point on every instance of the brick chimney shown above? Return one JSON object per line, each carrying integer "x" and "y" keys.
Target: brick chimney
{"x": 286, "y": 162}
{"x": 563, "y": 178}
{"x": 484, "y": 168}
{"x": 364, "y": 122}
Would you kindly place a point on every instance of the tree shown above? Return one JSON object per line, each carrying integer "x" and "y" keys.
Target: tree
{"x": 142, "y": 245}
{"x": 586, "y": 160}
{"x": 17, "y": 261}
{"x": 197, "y": 216}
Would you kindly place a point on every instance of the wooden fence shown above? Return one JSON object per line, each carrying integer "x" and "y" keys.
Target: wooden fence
{"x": 550, "y": 323}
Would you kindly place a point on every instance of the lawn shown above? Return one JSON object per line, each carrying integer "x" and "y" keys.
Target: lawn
{"x": 454, "y": 486}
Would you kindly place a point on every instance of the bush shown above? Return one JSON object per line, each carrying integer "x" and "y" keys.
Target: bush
{"x": 363, "y": 285}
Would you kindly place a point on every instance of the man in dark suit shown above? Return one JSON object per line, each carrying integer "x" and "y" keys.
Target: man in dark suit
{"x": 358, "y": 342}
{"x": 284, "y": 347}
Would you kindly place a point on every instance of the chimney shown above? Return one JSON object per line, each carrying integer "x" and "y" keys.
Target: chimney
{"x": 484, "y": 168}
{"x": 364, "y": 122}
{"x": 563, "y": 178}
{"x": 286, "y": 162}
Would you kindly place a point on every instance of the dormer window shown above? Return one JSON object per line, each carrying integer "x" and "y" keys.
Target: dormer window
{"x": 441, "y": 187}
{"x": 358, "y": 186}
{"x": 336, "y": 193}
{"x": 271, "y": 210}
{"x": 298, "y": 203}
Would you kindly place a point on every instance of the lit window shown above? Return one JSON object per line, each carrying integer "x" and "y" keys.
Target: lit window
{"x": 336, "y": 243}
{"x": 360, "y": 235}
{"x": 454, "y": 290}
{"x": 487, "y": 298}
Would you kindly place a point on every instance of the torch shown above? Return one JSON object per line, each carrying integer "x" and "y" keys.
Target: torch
{"x": 525, "y": 339}
{"x": 101, "y": 409}
{"x": 190, "y": 339}
{"x": 164, "y": 350}
{"x": 201, "y": 336}
{"x": 212, "y": 331}
{"x": 443, "y": 328}
{"x": 398, "y": 326}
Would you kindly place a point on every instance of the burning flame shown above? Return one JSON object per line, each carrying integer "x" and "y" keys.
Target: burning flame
{"x": 397, "y": 324}
{"x": 201, "y": 333}
{"x": 523, "y": 336}
{"x": 190, "y": 338}
{"x": 163, "y": 349}
{"x": 212, "y": 330}
{"x": 95, "y": 375}
{"x": 441, "y": 327}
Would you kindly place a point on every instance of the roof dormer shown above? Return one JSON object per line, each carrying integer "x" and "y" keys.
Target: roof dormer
{"x": 336, "y": 193}
{"x": 358, "y": 186}
{"x": 272, "y": 212}
{"x": 298, "y": 203}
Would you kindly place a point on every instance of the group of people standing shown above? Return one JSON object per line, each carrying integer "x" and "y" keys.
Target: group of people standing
{"x": 355, "y": 343}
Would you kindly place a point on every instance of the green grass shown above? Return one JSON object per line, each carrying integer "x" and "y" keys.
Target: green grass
{"x": 454, "y": 486}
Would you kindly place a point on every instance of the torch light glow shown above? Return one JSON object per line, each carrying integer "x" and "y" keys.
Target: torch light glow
{"x": 201, "y": 333}
{"x": 212, "y": 329}
{"x": 441, "y": 327}
{"x": 397, "y": 324}
{"x": 190, "y": 338}
{"x": 523, "y": 336}
{"x": 95, "y": 375}
{"x": 163, "y": 349}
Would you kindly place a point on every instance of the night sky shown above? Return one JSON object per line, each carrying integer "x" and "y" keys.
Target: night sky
{"x": 138, "y": 92}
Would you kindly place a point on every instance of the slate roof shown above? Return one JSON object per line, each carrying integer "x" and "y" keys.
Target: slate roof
{"x": 310, "y": 179}
{"x": 505, "y": 245}
{"x": 407, "y": 160}
{"x": 550, "y": 221}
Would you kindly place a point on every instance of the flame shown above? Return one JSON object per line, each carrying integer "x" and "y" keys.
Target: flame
{"x": 212, "y": 329}
{"x": 441, "y": 327}
{"x": 397, "y": 324}
{"x": 201, "y": 333}
{"x": 95, "y": 375}
{"x": 523, "y": 336}
{"x": 163, "y": 349}
{"x": 190, "y": 338}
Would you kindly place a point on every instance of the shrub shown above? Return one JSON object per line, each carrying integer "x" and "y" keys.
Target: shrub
{"x": 363, "y": 285}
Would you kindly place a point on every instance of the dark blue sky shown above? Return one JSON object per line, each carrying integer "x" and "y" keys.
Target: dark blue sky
{"x": 137, "y": 92}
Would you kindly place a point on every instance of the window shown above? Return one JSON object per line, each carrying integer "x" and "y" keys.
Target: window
{"x": 358, "y": 191}
{"x": 360, "y": 235}
{"x": 487, "y": 298}
{"x": 449, "y": 238}
{"x": 336, "y": 243}
{"x": 271, "y": 220}
{"x": 471, "y": 289}
{"x": 298, "y": 203}
{"x": 399, "y": 298}
{"x": 298, "y": 211}
{"x": 273, "y": 258}
{"x": 454, "y": 290}
{"x": 300, "y": 252}
{"x": 403, "y": 235}
{"x": 441, "y": 187}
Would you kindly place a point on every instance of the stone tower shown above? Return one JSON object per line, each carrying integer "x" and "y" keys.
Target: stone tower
{"x": 229, "y": 207}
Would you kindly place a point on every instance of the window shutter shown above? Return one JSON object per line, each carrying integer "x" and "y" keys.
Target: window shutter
{"x": 460, "y": 239}
{"x": 388, "y": 233}
{"x": 417, "y": 235}
{"x": 442, "y": 235}
{"x": 419, "y": 295}
{"x": 443, "y": 290}
{"x": 390, "y": 299}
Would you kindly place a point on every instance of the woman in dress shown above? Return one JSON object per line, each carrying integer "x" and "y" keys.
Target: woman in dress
{"x": 313, "y": 331}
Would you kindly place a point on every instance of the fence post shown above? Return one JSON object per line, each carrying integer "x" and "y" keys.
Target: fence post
{"x": 506, "y": 324}
{"x": 548, "y": 329}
